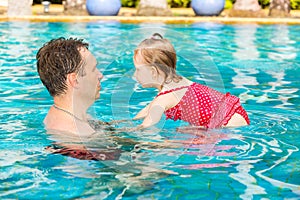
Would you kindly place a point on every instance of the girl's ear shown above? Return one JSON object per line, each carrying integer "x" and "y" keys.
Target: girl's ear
{"x": 154, "y": 72}
{"x": 72, "y": 79}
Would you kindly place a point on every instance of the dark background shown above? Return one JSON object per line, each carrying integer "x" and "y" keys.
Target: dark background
{"x": 52, "y": 1}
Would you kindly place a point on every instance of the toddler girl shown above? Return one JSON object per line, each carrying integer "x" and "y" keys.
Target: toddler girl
{"x": 179, "y": 98}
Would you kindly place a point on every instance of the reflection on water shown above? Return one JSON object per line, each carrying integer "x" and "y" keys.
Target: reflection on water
{"x": 133, "y": 171}
{"x": 247, "y": 56}
{"x": 245, "y": 40}
{"x": 284, "y": 95}
{"x": 282, "y": 45}
{"x": 246, "y": 50}
{"x": 274, "y": 153}
{"x": 282, "y": 50}
{"x": 260, "y": 161}
{"x": 243, "y": 79}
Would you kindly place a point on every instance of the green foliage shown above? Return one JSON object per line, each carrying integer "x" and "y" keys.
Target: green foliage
{"x": 264, "y": 3}
{"x": 228, "y": 4}
{"x": 130, "y": 3}
{"x": 179, "y": 3}
{"x": 295, "y": 4}
{"x": 172, "y": 3}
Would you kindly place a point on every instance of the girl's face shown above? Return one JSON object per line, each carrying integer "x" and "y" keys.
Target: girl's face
{"x": 145, "y": 74}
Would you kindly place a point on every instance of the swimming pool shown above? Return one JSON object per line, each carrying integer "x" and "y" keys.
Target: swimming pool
{"x": 258, "y": 63}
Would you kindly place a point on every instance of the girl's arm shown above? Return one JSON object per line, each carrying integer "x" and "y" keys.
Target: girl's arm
{"x": 143, "y": 113}
{"x": 156, "y": 109}
{"x": 154, "y": 115}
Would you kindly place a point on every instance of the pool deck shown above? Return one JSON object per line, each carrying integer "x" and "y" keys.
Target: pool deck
{"x": 127, "y": 15}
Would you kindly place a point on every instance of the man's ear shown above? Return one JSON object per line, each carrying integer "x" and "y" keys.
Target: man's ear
{"x": 72, "y": 79}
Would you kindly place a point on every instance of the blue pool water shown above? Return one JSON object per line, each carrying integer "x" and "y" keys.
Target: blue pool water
{"x": 258, "y": 63}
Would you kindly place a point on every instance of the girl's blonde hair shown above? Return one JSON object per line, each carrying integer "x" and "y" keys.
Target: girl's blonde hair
{"x": 160, "y": 53}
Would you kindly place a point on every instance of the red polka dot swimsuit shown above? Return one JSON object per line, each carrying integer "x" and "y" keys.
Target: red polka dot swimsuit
{"x": 204, "y": 106}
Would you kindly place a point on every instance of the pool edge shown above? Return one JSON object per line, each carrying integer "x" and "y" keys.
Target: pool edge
{"x": 139, "y": 19}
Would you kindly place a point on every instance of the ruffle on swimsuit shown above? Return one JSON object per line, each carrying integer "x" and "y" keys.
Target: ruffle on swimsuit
{"x": 204, "y": 106}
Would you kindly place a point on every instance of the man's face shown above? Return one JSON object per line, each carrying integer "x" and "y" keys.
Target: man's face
{"x": 89, "y": 80}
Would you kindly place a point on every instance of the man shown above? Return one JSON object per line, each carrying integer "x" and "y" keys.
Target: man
{"x": 69, "y": 72}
